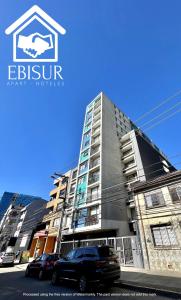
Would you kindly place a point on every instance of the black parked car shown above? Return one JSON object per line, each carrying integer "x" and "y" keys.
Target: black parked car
{"x": 88, "y": 265}
{"x": 42, "y": 266}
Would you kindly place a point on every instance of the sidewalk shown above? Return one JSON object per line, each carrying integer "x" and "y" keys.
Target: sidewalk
{"x": 163, "y": 281}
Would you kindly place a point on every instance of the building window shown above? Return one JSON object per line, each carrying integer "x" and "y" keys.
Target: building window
{"x": 175, "y": 192}
{"x": 82, "y": 179}
{"x": 83, "y": 167}
{"x": 95, "y": 193}
{"x": 163, "y": 235}
{"x": 70, "y": 201}
{"x": 74, "y": 175}
{"x": 56, "y": 222}
{"x": 62, "y": 193}
{"x": 154, "y": 199}
{"x": 72, "y": 188}
{"x": 59, "y": 206}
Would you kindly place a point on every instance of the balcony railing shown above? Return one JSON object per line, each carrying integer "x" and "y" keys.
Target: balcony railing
{"x": 92, "y": 220}
{"x": 94, "y": 163}
{"x": 95, "y": 150}
{"x": 93, "y": 179}
{"x": 126, "y": 142}
{"x": 127, "y": 152}
{"x": 126, "y": 166}
{"x": 93, "y": 197}
{"x": 97, "y": 140}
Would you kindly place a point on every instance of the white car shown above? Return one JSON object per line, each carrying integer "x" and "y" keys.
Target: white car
{"x": 7, "y": 258}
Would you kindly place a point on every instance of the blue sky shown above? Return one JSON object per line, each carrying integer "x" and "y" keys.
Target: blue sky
{"x": 131, "y": 50}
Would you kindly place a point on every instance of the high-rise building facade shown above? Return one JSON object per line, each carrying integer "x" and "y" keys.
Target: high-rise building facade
{"x": 113, "y": 154}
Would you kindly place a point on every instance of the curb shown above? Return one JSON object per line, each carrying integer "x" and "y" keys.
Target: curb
{"x": 151, "y": 288}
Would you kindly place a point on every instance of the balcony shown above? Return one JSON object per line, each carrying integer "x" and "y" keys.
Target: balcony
{"x": 96, "y": 131}
{"x": 93, "y": 197}
{"x": 129, "y": 165}
{"x": 94, "y": 163}
{"x": 132, "y": 178}
{"x": 125, "y": 143}
{"x": 127, "y": 153}
{"x": 94, "y": 178}
{"x": 96, "y": 123}
{"x": 92, "y": 220}
{"x": 97, "y": 110}
{"x": 97, "y": 116}
{"x": 54, "y": 192}
{"x": 97, "y": 104}
{"x": 96, "y": 141}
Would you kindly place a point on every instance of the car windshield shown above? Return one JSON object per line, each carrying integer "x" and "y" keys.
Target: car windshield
{"x": 106, "y": 251}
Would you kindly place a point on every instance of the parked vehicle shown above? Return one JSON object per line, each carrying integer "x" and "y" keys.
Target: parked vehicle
{"x": 88, "y": 265}
{"x": 7, "y": 258}
{"x": 42, "y": 266}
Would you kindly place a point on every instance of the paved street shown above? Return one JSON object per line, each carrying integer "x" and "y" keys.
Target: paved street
{"x": 13, "y": 285}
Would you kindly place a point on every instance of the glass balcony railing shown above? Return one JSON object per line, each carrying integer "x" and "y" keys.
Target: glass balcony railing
{"x": 93, "y": 197}
{"x": 94, "y": 178}
{"x": 94, "y": 163}
{"x": 95, "y": 150}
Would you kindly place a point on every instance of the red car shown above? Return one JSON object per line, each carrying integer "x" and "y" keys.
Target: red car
{"x": 42, "y": 266}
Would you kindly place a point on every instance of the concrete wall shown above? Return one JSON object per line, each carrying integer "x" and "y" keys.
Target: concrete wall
{"x": 151, "y": 159}
{"x": 114, "y": 213}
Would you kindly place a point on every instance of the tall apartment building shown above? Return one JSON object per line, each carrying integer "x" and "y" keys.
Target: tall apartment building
{"x": 113, "y": 154}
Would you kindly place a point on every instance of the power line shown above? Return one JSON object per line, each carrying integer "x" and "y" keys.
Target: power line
{"x": 168, "y": 117}
{"x": 164, "y": 112}
{"x": 159, "y": 105}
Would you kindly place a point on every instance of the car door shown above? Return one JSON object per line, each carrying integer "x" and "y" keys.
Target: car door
{"x": 66, "y": 267}
{"x": 76, "y": 264}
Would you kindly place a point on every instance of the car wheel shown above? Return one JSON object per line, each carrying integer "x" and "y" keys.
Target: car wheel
{"x": 27, "y": 272}
{"x": 54, "y": 278}
{"x": 41, "y": 275}
{"x": 83, "y": 284}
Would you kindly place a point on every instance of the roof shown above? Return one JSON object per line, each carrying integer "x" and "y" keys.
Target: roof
{"x": 35, "y": 10}
{"x": 158, "y": 181}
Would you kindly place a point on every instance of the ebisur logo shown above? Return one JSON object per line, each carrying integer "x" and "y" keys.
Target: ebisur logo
{"x": 35, "y": 37}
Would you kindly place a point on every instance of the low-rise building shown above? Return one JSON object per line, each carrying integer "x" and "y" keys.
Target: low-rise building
{"x": 47, "y": 239}
{"x": 158, "y": 217}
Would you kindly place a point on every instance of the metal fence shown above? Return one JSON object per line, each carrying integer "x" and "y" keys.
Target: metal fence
{"x": 128, "y": 248}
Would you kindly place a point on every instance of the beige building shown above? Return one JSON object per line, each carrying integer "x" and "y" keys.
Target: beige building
{"x": 158, "y": 215}
{"x": 45, "y": 241}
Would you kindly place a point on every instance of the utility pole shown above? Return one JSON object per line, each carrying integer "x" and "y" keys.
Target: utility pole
{"x": 59, "y": 237}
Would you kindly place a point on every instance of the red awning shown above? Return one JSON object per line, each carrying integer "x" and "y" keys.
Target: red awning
{"x": 40, "y": 233}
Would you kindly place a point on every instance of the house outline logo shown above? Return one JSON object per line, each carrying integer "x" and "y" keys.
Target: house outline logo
{"x": 36, "y": 40}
